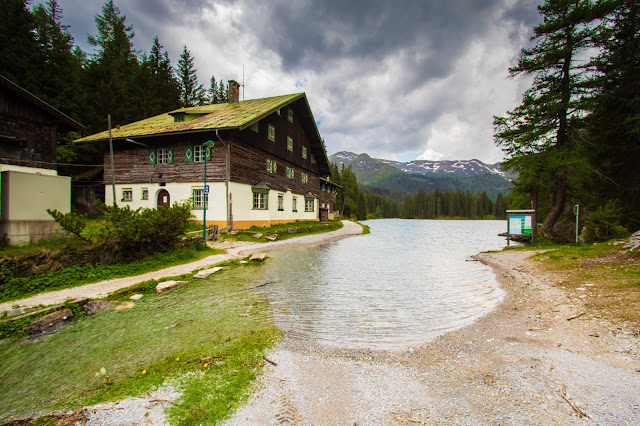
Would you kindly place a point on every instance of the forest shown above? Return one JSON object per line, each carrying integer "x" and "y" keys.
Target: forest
{"x": 573, "y": 140}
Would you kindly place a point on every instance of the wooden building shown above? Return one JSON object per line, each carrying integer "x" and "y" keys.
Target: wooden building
{"x": 30, "y": 184}
{"x": 265, "y": 162}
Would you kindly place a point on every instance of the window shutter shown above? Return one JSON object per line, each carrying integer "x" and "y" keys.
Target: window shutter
{"x": 207, "y": 153}
{"x": 170, "y": 156}
{"x": 189, "y": 154}
{"x": 152, "y": 156}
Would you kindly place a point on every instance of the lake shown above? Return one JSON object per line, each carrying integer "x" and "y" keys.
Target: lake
{"x": 402, "y": 285}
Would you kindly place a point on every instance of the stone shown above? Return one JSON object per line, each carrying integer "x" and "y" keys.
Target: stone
{"x": 136, "y": 297}
{"x": 243, "y": 262}
{"x": 124, "y": 305}
{"x": 168, "y": 285}
{"x": 95, "y": 306}
{"x": 49, "y": 323}
{"x": 16, "y": 311}
{"x": 206, "y": 272}
{"x": 272, "y": 237}
{"x": 258, "y": 257}
{"x": 258, "y": 235}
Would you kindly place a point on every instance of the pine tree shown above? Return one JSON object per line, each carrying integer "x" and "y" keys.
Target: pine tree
{"x": 159, "y": 82}
{"x": 223, "y": 93}
{"x": 614, "y": 148}
{"x": 112, "y": 72}
{"x": 191, "y": 92}
{"x": 552, "y": 109}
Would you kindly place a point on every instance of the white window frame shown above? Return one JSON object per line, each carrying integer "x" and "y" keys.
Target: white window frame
{"x": 197, "y": 194}
{"x": 162, "y": 155}
{"x": 260, "y": 200}
{"x": 199, "y": 153}
{"x": 281, "y": 202}
{"x": 294, "y": 208}
{"x": 127, "y": 194}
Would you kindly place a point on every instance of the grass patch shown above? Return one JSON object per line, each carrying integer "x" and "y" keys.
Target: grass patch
{"x": 205, "y": 338}
{"x": 608, "y": 276}
{"x": 284, "y": 231}
{"x": 13, "y": 288}
{"x": 365, "y": 228}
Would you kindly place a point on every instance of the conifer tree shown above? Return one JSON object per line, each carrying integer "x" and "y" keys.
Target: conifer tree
{"x": 213, "y": 91}
{"x": 552, "y": 109}
{"x": 191, "y": 92}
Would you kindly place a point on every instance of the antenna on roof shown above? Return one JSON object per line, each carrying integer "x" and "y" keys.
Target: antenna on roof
{"x": 243, "y": 82}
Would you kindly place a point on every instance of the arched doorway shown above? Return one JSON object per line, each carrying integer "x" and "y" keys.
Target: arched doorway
{"x": 163, "y": 198}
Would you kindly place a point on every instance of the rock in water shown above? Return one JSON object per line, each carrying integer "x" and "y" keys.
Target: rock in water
{"x": 168, "y": 285}
{"x": 206, "y": 272}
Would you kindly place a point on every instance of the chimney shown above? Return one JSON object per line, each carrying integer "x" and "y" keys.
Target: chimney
{"x": 234, "y": 92}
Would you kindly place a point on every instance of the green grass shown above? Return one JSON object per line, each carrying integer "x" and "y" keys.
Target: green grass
{"x": 19, "y": 287}
{"x": 284, "y": 231}
{"x": 205, "y": 338}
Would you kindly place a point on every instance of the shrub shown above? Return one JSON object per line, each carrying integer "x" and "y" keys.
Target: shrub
{"x": 604, "y": 223}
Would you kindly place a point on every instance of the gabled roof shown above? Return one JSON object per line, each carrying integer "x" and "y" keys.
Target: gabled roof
{"x": 236, "y": 116}
{"x": 59, "y": 116}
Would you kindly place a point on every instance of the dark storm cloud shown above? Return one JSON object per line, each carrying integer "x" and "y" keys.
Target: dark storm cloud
{"x": 315, "y": 33}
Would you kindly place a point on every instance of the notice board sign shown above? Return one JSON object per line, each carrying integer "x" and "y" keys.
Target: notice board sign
{"x": 521, "y": 224}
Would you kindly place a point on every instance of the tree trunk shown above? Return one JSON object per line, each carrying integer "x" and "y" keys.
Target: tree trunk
{"x": 558, "y": 206}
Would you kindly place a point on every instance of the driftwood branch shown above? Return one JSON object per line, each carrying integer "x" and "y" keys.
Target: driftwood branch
{"x": 579, "y": 411}
{"x": 163, "y": 400}
{"x": 576, "y": 316}
{"x": 269, "y": 361}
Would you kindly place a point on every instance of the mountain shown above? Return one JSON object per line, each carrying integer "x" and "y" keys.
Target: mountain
{"x": 397, "y": 179}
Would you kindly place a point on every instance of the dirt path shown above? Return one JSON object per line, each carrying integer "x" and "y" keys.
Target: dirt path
{"x": 510, "y": 367}
{"x": 236, "y": 250}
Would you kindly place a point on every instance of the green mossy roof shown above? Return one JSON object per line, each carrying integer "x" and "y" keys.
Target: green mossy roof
{"x": 217, "y": 116}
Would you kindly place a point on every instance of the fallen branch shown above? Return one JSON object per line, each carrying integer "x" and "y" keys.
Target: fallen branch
{"x": 576, "y": 316}
{"x": 579, "y": 411}
{"x": 163, "y": 400}
{"x": 269, "y": 361}
{"x": 261, "y": 285}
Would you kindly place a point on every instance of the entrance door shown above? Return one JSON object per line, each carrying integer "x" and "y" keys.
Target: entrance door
{"x": 163, "y": 198}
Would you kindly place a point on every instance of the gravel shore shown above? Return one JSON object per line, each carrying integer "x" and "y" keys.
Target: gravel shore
{"x": 512, "y": 366}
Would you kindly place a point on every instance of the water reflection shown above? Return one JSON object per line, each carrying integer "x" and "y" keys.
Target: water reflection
{"x": 402, "y": 285}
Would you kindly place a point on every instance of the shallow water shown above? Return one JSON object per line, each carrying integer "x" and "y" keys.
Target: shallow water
{"x": 400, "y": 286}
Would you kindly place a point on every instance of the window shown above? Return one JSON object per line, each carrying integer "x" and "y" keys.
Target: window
{"x": 272, "y": 166}
{"x": 304, "y": 152}
{"x": 313, "y": 159}
{"x": 272, "y": 132}
{"x": 199, "y": 152}
{"x": 145, "y": 194}
{"x": 127, "y": 195}
{"x": 200, "y": 199}
{"x": 290, "y": 115}
{"x": 254, "y": 127}
{"x": 305, "y": 177}
{"x": 179, "y": 117}
{"x": 289, "y": 144}
{"x": 281, "y": 202}
{"x": 290, "y": 172}
{"x": 260, "y": 199}
{"x": 308, "y": 204}
{"x": 295, "y": 204}
{"x": 165, "y": 155}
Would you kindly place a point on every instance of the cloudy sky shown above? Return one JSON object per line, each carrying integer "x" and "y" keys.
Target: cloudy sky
{"x": 400, "y": 80}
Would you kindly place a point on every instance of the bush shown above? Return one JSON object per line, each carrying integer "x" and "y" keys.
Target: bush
{"x": 604, "y": 223}
{"x": 130, "y": 234}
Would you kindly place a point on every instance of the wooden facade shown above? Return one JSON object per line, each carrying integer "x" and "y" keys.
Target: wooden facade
{"x": 293, "y": 163}
{"x": 28, "y": 128}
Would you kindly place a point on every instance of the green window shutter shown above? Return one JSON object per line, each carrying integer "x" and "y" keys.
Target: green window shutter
{"x": 170, "y": 156}
{"x": 152, "y": 156}
{"x": 207, "y": 153}
{"x": 189, "y": 154}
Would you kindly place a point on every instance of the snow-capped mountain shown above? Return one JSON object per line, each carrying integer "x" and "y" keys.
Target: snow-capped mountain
{"x": 466, "y": 168}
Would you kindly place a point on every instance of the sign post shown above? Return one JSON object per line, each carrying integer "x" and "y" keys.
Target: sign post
{"x": 521, "y": 223}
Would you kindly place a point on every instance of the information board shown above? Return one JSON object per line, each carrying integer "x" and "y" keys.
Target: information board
{"x": 520, "y": 225}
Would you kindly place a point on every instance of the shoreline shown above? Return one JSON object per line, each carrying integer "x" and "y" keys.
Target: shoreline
{"x": 511, "y": 366}
{"x": 236, "y": 250}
